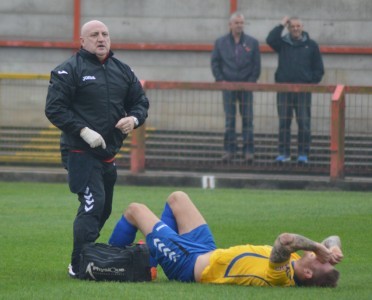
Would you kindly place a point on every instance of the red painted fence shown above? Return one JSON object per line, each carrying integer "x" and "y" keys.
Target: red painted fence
{"x": 337, "y": 96}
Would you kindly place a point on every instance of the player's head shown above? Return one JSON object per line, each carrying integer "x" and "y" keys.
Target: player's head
{"x": 316, "y": 273}
{"x": 236, "y": 23}
{"x": 95, "y": 38}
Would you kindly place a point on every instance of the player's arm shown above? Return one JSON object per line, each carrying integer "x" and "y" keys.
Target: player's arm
{"x": 287, "y": 243}
{"x": 333, "y": 243}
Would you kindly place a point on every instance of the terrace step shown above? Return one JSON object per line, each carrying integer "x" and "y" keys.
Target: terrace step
{"x": 184, "y": 150}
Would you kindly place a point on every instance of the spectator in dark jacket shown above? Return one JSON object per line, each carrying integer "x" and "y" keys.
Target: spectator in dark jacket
{"x": 236, "y": 57}
{"x": 299, "y": 61}
{"x": 96, "y": 101}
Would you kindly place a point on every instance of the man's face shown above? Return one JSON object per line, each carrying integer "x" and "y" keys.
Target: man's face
{"x": 316, "y": 264}
{"x": 237, "y": 25}
{"x": 95, "y": 39}
{"x": 295, "y": 28}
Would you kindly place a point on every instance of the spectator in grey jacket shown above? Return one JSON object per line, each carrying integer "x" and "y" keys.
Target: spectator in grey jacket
{"x": 236, "y": 57}
{"x": 300, "y": 61}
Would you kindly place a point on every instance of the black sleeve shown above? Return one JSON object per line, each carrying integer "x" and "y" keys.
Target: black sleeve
{"x": 317, "y": 65}
{"x": 274, "y": 38}
{"x": 61, "y": 92}
{"x": 136, "y": 103}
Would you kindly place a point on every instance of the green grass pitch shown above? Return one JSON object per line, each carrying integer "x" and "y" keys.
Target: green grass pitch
{"x": 36, "y": 236}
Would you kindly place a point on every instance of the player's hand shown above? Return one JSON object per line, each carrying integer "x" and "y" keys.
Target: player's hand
{"x": 285, "y": 21}
{"x": 336, "y": 255}
{"x": 323, "y": 254}
{"x": 125, "y": 125}
{"x": 93, "y": 138}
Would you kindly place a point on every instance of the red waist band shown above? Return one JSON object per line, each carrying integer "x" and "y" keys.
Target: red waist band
{"x": 107, "y": 160}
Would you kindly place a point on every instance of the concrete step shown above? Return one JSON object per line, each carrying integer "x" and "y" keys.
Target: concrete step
{"x": 183, "y": 150}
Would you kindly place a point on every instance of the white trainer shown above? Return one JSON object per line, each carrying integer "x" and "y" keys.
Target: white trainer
{"x": 71, "y": 272}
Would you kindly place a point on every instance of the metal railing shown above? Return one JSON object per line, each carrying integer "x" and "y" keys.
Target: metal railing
{"x": 185, "y": 128}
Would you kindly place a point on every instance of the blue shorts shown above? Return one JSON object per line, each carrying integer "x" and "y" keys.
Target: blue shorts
{"x": 176, "y": 253}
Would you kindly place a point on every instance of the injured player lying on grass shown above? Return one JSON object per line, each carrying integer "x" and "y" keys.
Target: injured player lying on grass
{"x": 183, "y": 245}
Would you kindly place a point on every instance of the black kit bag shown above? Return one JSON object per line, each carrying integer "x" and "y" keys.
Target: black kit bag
{"x": 101, "y": 262}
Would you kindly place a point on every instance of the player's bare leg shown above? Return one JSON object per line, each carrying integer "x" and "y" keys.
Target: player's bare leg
{"x": 188, "y": 217}
{"x": 140, "y": 216}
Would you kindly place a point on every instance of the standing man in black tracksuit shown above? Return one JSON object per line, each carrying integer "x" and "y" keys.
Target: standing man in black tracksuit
{"x": 300, "y": 61}
{"x": 96, "y": 101}
{"x": 236, "y": 57}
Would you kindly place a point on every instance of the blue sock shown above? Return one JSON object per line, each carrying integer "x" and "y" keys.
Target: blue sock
{"x": 168, "y": 218}
{"x": 153, "y": 262}
{"x": 123, "y": 234}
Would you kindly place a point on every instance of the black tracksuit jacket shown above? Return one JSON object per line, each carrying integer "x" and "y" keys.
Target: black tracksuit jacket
{"x": 83, "y": 92}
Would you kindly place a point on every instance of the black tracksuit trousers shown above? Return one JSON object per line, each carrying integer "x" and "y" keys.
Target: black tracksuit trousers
{"x": 93, "y": 181}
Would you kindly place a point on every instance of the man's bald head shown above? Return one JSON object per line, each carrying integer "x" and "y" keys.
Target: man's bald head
{"x": 88, "y": 25}
{"x": 95, "y": 38}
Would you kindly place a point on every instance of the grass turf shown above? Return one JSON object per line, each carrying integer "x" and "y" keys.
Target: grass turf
{"x": 36, "y": 236}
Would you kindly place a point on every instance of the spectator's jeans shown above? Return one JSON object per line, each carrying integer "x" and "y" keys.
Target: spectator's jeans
{"x": 246, "y": 111}
{"x": 301, "y": 104}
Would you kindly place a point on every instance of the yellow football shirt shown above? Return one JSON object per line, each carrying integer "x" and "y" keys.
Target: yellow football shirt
{"x": 248, "y": 265}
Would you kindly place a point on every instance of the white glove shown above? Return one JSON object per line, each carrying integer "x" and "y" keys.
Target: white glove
{"x": 93, "y": 138}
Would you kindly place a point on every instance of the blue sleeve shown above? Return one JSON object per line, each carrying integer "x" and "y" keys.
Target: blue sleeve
{"x": 216, "y": 62}
{"x": 256, "y": 63}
